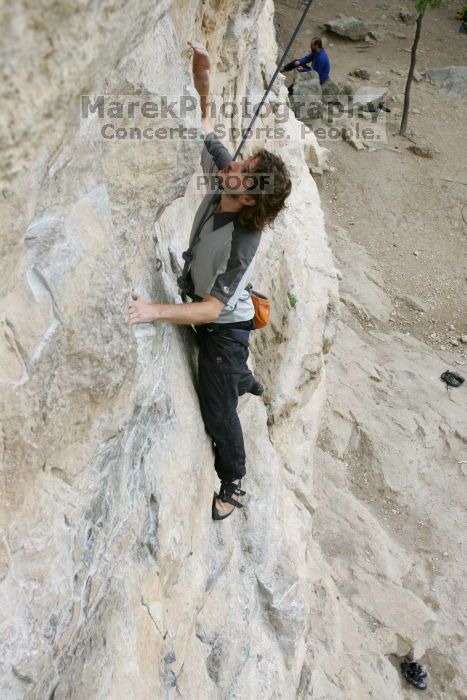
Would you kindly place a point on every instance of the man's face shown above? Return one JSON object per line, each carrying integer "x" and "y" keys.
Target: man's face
{"x": 314, "y": 47}
{"x": 232, "y": 175}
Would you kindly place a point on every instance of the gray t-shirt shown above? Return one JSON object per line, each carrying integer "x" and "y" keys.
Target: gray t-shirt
{"x": 225, "y": 255}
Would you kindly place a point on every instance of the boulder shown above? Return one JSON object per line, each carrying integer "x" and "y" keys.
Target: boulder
{"x": 350, "y": 27}
{"x": 369, "y": 96}
{"x": 407, "y": 17}
{"x": 306, "y": 99}
{"x": 452, "y": 79}
{"x": 344, "y": 88}
{"x": 330, "y": 92}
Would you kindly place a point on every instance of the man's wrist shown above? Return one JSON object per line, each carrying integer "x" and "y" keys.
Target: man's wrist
{"x": 156, "y": 312}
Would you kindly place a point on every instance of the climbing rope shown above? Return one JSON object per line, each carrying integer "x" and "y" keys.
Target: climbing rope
{"x": 183, "y": 281}
{"x": 276, "y": 73}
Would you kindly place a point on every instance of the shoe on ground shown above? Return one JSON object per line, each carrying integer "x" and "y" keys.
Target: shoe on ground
{"x": 414, "y": 674}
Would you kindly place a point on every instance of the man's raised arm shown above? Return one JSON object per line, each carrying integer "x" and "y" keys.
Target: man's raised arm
{"x": 214, "y": 156}
{"x": 201, "y": 71}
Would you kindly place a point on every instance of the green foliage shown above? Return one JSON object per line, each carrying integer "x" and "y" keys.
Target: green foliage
{"x": 423, "y": 5}
{"x": 292, "y": 299}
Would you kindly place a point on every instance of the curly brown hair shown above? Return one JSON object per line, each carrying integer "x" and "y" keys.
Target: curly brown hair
{"x": 268, "y": 204}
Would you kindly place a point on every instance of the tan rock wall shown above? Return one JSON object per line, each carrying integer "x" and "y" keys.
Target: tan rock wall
{"x": 114, "y": 581}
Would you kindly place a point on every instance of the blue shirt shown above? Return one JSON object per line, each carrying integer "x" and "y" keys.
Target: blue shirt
{"x": 319, "y": 62}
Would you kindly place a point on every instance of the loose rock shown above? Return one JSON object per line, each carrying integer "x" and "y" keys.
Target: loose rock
{"x": 350, "y": 27}
{"x": 362, "y": 73}
{"x": 414, "y": 302}
{"x": 407, "y": 17}
{"x": 349, "y": 136}
{"x": 422, "y": 151}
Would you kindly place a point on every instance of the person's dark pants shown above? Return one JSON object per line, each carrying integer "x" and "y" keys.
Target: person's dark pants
{"x": 223, "y": 376}
{"x": 287, "y": 67}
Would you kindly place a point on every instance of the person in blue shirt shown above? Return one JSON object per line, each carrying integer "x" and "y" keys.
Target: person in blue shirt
{"x": 319, "y": 62}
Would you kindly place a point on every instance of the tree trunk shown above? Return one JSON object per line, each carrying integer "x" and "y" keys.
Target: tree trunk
{"x": 413, "y": 60}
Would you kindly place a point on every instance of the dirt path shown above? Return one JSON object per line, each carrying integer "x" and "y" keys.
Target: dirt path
{"x": 396, "y": 204}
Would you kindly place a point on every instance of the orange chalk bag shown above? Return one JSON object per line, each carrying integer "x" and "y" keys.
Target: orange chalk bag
{"x": 262, "y": 308}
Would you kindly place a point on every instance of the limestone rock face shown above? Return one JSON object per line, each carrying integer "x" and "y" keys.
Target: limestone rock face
{"x": 114, "y": 580}
{"x": 389, "y": 475}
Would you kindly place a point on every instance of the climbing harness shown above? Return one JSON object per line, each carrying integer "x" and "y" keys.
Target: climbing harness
{"x": 185, "y": 283}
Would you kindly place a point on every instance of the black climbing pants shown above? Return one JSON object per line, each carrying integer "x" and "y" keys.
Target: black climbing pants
{"x": 289, "y": 66}
{"x": 223, "y": 376}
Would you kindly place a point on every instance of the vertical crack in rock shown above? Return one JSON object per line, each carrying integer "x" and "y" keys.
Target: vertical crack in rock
{"x": 151, "y": 522}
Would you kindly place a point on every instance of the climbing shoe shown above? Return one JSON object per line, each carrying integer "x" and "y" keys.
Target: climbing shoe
{"x": 226, "y": 491}
{"x": 452, "y": 378}
{"x": 414, "y": 674}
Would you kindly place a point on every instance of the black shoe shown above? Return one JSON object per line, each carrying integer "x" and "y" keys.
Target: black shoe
{"x": 419, "y": 671}
{"x": 414, "y": 674}
{"x": 256, "y": 388}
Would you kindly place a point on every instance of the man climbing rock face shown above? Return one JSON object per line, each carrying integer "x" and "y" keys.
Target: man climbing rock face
{"x": 224, "y": 239}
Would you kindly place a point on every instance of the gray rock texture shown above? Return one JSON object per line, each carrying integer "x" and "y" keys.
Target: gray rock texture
{"x": 452, "y": 79}
{"x": 361, "y": 73}
{"x": 407, "y": 17}
{"x": 390, "y": 517}
{"x": 349, "y": 27}
{"x": 306, "y": 99}
{"x": 114, "y": 580}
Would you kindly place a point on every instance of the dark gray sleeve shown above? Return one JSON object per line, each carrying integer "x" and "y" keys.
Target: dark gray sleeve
{"x": 214, "y": 155}
{"x": 242, "y": 251}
